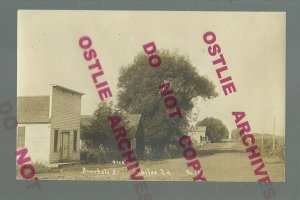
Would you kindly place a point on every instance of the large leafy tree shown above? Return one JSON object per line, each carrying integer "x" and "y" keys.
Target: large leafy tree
{"x": 139, "y": 93}
{"x": 215, "y": 129}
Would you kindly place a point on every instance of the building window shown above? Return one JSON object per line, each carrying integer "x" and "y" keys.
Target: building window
{"x": 75, "y": 141}
{"x": 55, "y": 140}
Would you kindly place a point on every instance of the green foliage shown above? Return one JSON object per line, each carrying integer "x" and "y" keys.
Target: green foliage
{"x": 215, "y": 129}
{"x": 99, "y": 136}
{"x": 43, "y": 168}
{"x": 138, "y": 82}
{"x": 266, "y": 147}
{"x": 100, "y": 155}
{"x": 171, "y": 151}
{"x": 139, "y": 93}
{"x": 235, "y": 134}
{"x": 280, "y": 151}
{"x": 99, "y": 132}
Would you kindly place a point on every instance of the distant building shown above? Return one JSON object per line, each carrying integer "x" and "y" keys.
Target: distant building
{"x": 49, "y": 126}
{"x": 198, "y": 133}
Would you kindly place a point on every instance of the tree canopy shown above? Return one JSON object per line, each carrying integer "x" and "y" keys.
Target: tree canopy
{"x": 99, "y": 132}
{"x": 139, "y": 94}
{"x": 215, "y": 129}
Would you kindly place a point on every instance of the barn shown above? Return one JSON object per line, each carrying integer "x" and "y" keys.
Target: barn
{"x": 49, "y": 126}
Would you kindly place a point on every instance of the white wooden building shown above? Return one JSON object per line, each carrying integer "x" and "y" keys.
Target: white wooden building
{"x": 198, "y": 133}
{"x": 49, "y": 126}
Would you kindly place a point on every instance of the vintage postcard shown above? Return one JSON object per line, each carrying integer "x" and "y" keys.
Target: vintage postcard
{"x": 151, "y": 95}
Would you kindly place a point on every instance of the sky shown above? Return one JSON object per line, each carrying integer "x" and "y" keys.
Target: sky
{"x": 253, "y": 45}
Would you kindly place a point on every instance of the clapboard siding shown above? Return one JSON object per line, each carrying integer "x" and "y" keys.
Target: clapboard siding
{"x": 37, "y": 141}
{"x": 65, "y": 116}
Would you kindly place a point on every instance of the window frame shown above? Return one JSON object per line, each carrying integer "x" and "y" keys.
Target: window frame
{"x": 75, "y": 146}
{"x": 55, "y": 139}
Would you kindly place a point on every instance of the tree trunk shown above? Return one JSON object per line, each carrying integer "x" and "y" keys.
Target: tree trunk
{"x": 98, "y": 155}
{"x": 140, "y": 138}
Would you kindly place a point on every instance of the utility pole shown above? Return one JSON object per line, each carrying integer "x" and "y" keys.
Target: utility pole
{"x": 262, "y": 140}
{"x": 274, "y": 135}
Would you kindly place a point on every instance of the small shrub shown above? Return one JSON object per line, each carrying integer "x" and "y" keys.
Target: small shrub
{"x": 172, "y": 150}
{"x": 43, "y": 168}
{"x": 280, "y": 151}
{"x": 101, "y": 155}
{"x": 267, "y": 148}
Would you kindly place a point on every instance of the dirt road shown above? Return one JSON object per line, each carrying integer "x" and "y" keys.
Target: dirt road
{"x": 225, "y": 161}
{"x": 228, "y": 162}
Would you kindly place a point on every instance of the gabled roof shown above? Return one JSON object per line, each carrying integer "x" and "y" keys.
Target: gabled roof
{"x": 196, "y": 129}
{"x": 66, "y": 89}
{"x": 200, "y": 128}
{"x": 33, "y": 109}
